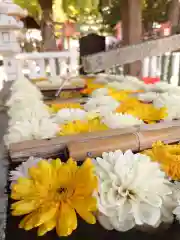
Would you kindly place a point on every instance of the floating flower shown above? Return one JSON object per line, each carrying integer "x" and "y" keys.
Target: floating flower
{"x": 131, "y": 190}
{"x": 55, "y": 107}
{"x": 159, "y": 87}
{"x": 147, "y": 97}
{"x": 22, "y": 171}
{"x": 30, "y": 130}
{"x": 106, "y": 103}
{"x": 130, "y": 84}
{"x": 129, "y": 105}
{"x": 91, "y": 86}
{"x": 176, "y": 210}
{"x": 146, "y": 112}
{"x": 171, "y": 104}
{"x": 119, "y": 120}
{"x": 120, "y": 95}
{"x": 81, "y": 126}
{"x": 100, "y": 92}
{"x": 53, "y": 194}
{"x": 66, "y": 115}
{"x": 29, "y": 116}
{"x": 168, "y": 156}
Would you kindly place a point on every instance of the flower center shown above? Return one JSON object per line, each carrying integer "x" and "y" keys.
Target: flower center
{"x": 62, "y": 190}
{"x": 127, "y": 193}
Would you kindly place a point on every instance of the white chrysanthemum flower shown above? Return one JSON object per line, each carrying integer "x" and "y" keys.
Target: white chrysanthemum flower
{"x": 171, "y": 103}
{"x": 176, "y": 210}
{"x": 23, "y": 85}
{"x": 69, "y": 114}
{"x": 102, "y": 78}
{"x": 174, "y": 90}
{"x": 100, "y": 92}
{"x": 119, "y": 120}
{"x": 106, "y": 78}
{"x": 101, "y": 103}
{"x": 147, "y": 97}
{"x": 30, "y": 130}
{"x": 29, "y": 116}
{"x": 28, "y": 111}
{"x": 126, "y": 85}
{"x": 159, "y": 87}
{"x": 162, "y": 87}
{"x": 131, "y": 190}
{"x": 23, "y": 168}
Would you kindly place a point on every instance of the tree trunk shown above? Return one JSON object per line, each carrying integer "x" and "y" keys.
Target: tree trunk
{"x": 132, "y": 30}
{"x": 174, "y": 12}
{"x": 47, "y": 26}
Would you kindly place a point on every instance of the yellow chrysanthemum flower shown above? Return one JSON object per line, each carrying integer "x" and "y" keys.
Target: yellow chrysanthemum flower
{"x": 122, "y": 95}
{"x": 35, "y": 80}
{"x": 146, "y": 112}
{"x": 53, "y": 195}
{"x": 80, "y": 126}
{"x": 119, "y": 95}
{"x": 168, "y": 156}
{"x": 55, "y": 107}
{"x": 128, "y": 104}
{"x": 91, "y": 85}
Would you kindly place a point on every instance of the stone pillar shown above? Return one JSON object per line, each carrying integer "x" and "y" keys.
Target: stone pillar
{"x": 132, "y": 30}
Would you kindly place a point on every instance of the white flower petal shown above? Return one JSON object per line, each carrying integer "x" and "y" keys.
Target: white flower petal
{"x": 104, "y": 221}
{"x": 149, "y": 215}
{"x": 132, "y": 190}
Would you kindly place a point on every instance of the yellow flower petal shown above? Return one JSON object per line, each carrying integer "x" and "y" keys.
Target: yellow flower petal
{"x": 66, "y": 172}
{"x": 42, "y": 173}
{"x": 66, "y": 221}
{"x": 53, "y": 192}
{"x": 46, "y": 227}
{"x": 24, "y": 221}
{"x": 23, "y": 207}
{"x": 55, "y": 107}
{"x": 56, "y": 163}
{"x": 31, "y": 222}
{"x": 86, "y": 181}
{"x": 168, "y": 156}
{"x": 23, "y": 187}
{"x": 83, "y": 208}
{"x": 47, "y": 212}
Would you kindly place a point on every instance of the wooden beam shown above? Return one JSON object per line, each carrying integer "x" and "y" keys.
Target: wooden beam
{"x": 93, "y": 144}
{"x": 129, "y": 54}
{"x": 50, "y": 148}
{"x": 132, "y": 30}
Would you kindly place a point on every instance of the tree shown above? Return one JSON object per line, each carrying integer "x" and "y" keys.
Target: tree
{"x": 42, "y": 11}
{"x": 152, "y": 11}
{"x": 76, "y": 9}
{"x": 32, "y": 6}
{"x": 47, "y": 26}
{"x": 173, "y": 13}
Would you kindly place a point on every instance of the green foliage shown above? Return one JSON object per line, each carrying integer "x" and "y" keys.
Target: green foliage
{"x": 152, "y": 11}
{"x": 32, "y": 6}
{"x": 111, "y": 12}
{"x": 74, "y": 9}
{"x": 155, "y": 11}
